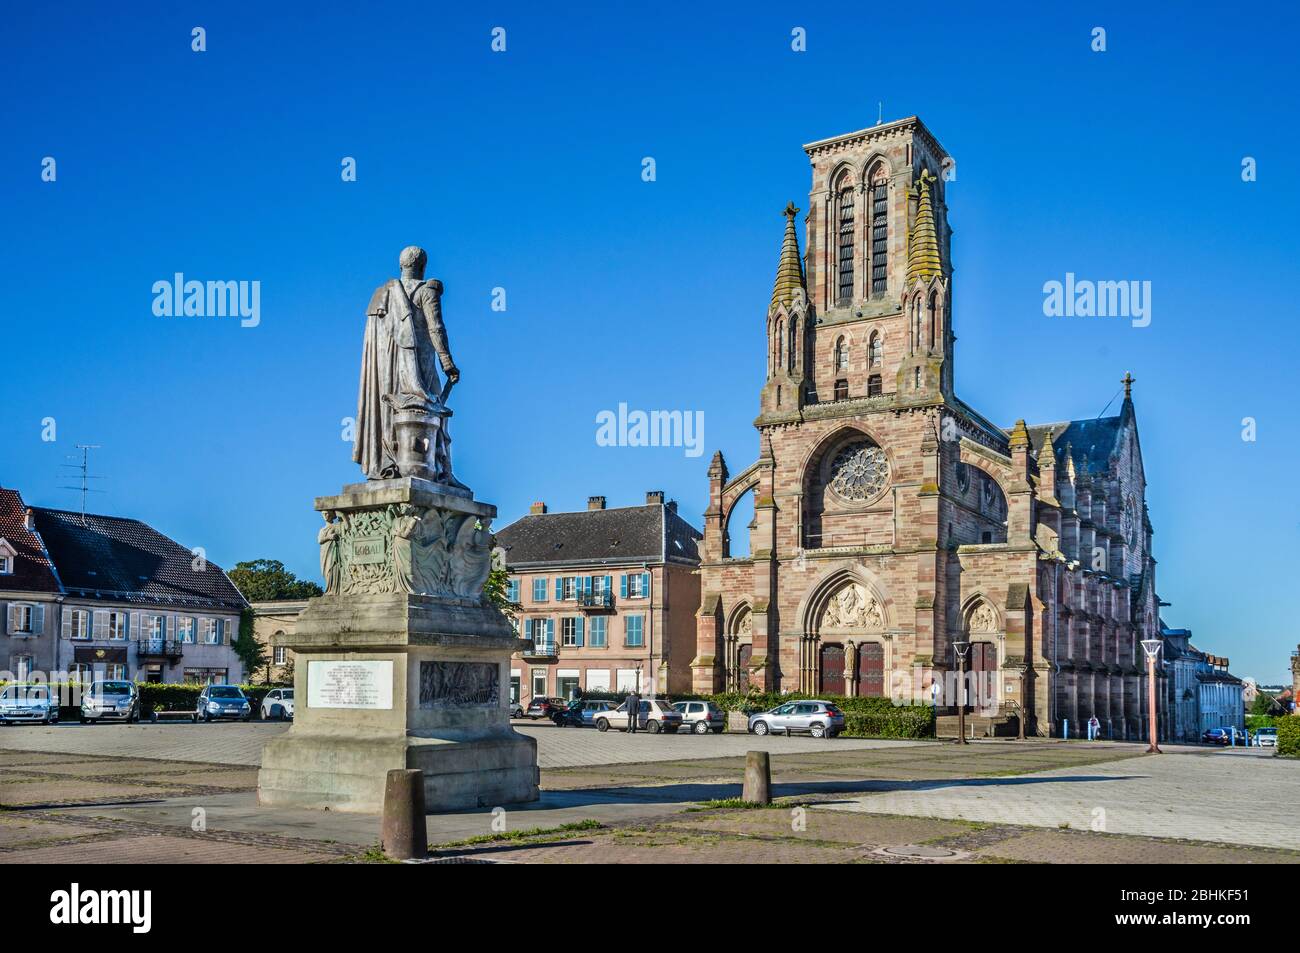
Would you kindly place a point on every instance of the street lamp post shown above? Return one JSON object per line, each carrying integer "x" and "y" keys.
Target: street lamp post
{"x": 961, "y": 648}
{"x": 1152, "y": 648}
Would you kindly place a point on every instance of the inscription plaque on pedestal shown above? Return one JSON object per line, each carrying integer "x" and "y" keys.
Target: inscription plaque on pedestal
{"x": 343, "y": 684}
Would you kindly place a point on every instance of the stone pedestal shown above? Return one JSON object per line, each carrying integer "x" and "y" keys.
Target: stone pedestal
{"x": 401, "y": 664}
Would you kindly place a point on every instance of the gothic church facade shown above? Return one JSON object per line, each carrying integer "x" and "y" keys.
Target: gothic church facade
{"x": 892, "y": 521}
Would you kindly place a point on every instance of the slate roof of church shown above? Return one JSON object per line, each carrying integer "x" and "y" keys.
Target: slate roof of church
{"x": 651, "y": 533}
{"x": 125, "y": 560}
{"x": 32, "y": 571}
{"x": 1091, "y": 441}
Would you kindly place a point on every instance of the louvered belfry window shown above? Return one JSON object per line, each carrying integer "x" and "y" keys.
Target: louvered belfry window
{"x": 879, "y": 237}
{"x": 846, "y": 246}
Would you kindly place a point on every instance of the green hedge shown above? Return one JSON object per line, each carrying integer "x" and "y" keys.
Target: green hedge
{"x": 156, "y": 695}
{"x": 1288, "y": 736}
{"x": 863, "y": 717}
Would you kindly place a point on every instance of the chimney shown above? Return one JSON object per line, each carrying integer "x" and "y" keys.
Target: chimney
{"x": 672, "y": 506}
{"x": 537, "y": 509}
{"x": 29, "y": 519}
{"x": 654, "y": 497}
{"x": 595, "y": 502}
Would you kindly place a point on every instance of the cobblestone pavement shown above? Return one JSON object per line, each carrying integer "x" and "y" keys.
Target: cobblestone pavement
{"x": 1229, "y": 796}
{"x": 238, "y": 743}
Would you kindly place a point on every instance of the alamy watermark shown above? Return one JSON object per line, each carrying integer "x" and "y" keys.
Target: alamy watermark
{"x": 209, "y": 299}
{"x": 654, "y": 428}
{"x": 1083, "y": 298}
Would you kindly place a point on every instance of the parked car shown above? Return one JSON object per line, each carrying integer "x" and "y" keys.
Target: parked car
{"x": 820, "y": 719}
{"x": 19, "y": 703}
{"x": 543, "y": 706}
{"x": 277, "y": 704}
{"x": 581, "y": 713}
{"x": 222, "y": 701}
{"x": 656, "y": 715}
{"x": 702, "y": 717}
{"x": 110, "y": 701}
{"x": 1218, "y": 736}
{"x": 1266, "y": 737}
{"x": 516, "y": 710}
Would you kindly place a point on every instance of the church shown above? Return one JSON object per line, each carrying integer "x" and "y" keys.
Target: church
{"x": 898, "y": 535}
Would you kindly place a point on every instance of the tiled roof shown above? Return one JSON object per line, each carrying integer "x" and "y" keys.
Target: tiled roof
{"x": 127, "y": 561}
{"x": 1091, "y": 442}
{"x": 32, "y": 569}
{"x": 651, "y": 533}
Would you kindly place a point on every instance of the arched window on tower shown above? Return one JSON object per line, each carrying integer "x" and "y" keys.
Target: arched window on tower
{"x": 876, "y": 350}
{"x": 794, "y": 338}
{"x": 841, "y": 355}
{"x": 916, "y": 323}
{"x": 879, "y": 231}
{"x": 780, "y": 345}
{"x": 844, "y": 286}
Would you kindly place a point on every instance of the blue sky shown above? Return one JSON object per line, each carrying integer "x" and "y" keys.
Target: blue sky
{"x": 522, "y": 170}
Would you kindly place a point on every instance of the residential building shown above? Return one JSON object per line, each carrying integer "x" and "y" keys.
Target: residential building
{"x": 87, "y": 595}
{"x": 270, "y": 618}
{"x": 1201, "y": 692}
{"x": 896, "y": 526}
{"x": 606, "y": 598}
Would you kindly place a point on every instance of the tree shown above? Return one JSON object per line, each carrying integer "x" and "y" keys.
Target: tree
{"x": 250, "y": 651}
{"x": 495, "y": 590}
{"x": 262, "y": 580}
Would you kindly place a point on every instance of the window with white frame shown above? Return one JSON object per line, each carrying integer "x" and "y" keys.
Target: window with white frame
{"x": 281, "y": 655}
{"x": 78, "y": 623}
{"x": 81, "y": 673}
{"x": 569, "y": 631}
{"x": 115, "y": 671}
{"x": 570, "y": 587}
{"x": 185, "y": 628}
{"x": 21, "y": 618}
{"x": 539, "y": 681}
{"x": 637, "y": 584}
{"x": 116, "y": 626}
{"x": 22, "y": 665}
{"x": 6, "y": 564}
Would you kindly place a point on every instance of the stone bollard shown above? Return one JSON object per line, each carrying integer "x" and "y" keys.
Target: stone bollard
{"x": 758, "y": 778}
{"x": 403, "y": 833}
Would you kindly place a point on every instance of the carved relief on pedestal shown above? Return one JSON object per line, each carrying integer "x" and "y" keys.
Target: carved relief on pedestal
{"x": 853, "y": 607}
{"x": 402, "y": 547}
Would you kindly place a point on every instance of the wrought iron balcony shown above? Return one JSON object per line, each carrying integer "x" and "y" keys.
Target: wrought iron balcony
{"x": 596, "y": 601}
{"x": 158, "y": 648}
{"x": 541, "y": 651}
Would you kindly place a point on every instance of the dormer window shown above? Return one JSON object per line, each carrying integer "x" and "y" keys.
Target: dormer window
{"x": 7, "y": 554}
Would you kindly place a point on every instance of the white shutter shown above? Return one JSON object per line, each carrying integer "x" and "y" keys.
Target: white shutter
{"x": 100, "y": 628}
{"x": 38, "y": 619}
{"x": 134, "y": 629}
{"x": 66, "y": 628}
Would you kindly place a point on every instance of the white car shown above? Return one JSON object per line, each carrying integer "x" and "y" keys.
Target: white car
{"x": 277, "y": 705}
{"x": 655, "y": 716}
{"x": 1266, "y": 737}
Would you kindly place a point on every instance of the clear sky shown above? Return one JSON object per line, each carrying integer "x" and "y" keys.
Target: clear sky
{"x": 522, "y": 170}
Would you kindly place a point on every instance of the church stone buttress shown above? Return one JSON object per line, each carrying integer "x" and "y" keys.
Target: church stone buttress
{"x": 891, "y": 520}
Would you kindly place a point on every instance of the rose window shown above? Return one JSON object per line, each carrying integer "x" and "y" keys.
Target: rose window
{"x": 860, "y": 471}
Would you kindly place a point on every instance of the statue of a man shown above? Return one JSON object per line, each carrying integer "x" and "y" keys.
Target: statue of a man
{"x": 405, "y": 343}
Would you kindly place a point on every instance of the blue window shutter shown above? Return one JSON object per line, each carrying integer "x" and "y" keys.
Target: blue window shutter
{"x": 622, "y": 586}
{"x": 528, "y": 628}
{"x": 586, "y": 585}
{"x": 550, "y": 630}
{"x": 577, "y": 632}
{"x": 559, "y": 588}
{"x": 645, "y": 585}
{"x": 609, "y": 586}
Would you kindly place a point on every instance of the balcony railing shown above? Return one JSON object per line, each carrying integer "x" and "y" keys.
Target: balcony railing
{"x": 158, "y": 648}
{"x": 596, "y": 601}
{"x": 541, "y": 650}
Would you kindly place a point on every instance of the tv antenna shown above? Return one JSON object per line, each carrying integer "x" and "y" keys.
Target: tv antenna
{"x": 86, "y": 477}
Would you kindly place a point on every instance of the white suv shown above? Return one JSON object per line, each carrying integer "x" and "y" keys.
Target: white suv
{"x": 277, "y": 704}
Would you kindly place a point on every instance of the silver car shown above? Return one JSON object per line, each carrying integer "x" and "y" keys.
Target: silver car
{"x": 702, "y": 717}
{"x": 820, "y": 719}
{"x": 28, "y": 703}
{"x": 110, "y": 701}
